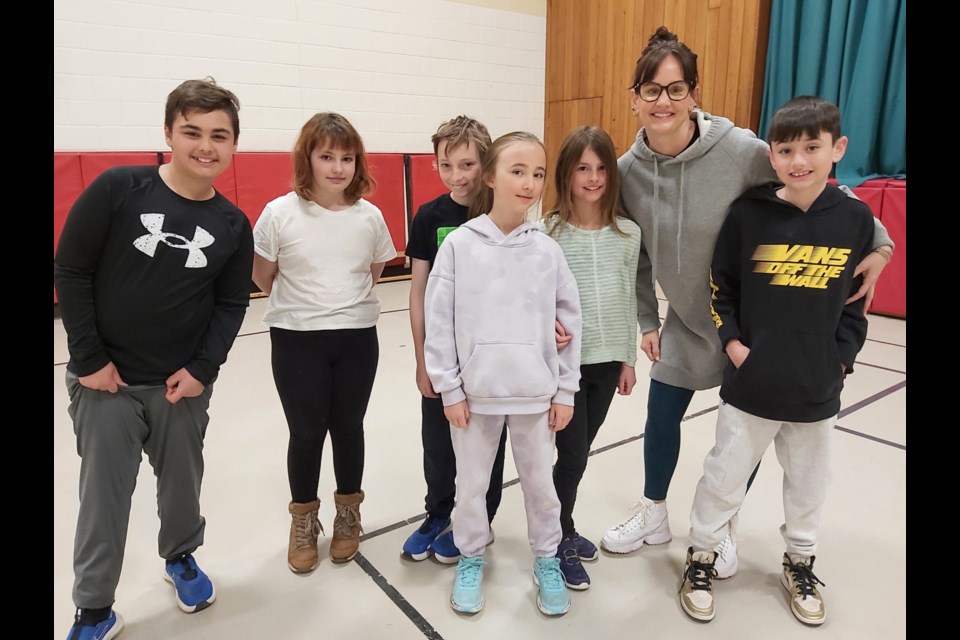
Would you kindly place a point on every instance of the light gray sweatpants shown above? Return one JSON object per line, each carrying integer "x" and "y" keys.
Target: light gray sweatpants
{"x": 533, "y": 447}
{"x": 803, "y": 449}
{"x": 113, "y": 429}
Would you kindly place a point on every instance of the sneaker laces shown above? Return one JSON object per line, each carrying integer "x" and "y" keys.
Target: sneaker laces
{"x": 468, "y": 572}
{"x": 306, "y": 528}
{"x": 699, "y": 574}
{"x": 568, "y": 549}
{"x": 804, "y": 580}
{"x": 725, "y": 548}
{"x": 551, "y": 578}
{"x": 348, "y": 516}
{"x": 636, "y": 520}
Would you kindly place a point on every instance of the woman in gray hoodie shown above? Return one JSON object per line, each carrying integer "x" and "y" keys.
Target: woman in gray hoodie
{"x": 678, "y": 181}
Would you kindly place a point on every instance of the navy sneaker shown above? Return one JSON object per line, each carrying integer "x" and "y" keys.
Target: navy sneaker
{"x": 444, "y": 549}
{"x": 103, "y": 630}
{"x": 585, "y": 549}
{"x": 417, "y": 546}
{"x": 574, "y": 575}
{"x": 194, "y": 589}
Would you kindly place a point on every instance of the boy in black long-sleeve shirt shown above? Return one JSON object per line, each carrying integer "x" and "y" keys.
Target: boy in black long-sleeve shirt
{"x": 153, "y": 279}
{"x": 782, "y": 271}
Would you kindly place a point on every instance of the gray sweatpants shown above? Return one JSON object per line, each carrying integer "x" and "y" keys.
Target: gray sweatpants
{"x": 113, "y": 429}
{"x": 803, "y": 449}
{"x": 532, "y": 443}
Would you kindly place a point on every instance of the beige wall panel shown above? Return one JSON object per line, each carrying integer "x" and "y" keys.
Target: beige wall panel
{"x": 592, "y": 48}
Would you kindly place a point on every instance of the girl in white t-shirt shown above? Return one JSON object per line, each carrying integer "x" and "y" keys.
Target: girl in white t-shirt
{"x": 319, "y": 251}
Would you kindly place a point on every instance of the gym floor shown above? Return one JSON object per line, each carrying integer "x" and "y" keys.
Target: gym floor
{"x": 381, "y": 595}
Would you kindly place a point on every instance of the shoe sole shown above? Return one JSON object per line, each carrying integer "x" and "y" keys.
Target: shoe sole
{"x": 694, "y": 614}
{"x": 446, "y": 559}
{"x": 461, "y": 609}
{"x": 301, "y": 572}
{"x": 116, "y": 628}
{"x": 543, "y": 609}
{"x": 576, "y": 587}
{"x": 592, "y": 558}
{"x": 344, "y": 560}
{"x": 618, "y": 547}
{"x": 730, "y": 574}
{"x": 200, "y": 606}
{"x": 815, "y": 622}
{"x": 416, "y": 557}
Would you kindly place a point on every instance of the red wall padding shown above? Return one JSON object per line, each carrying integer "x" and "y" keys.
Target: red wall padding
{"x": 425, "y": 183}
{"x": 94, "y": 163}
{"x": 387, "y": 171}
{"x": 891, "y": 294}
{"x": 261, "y": 177}
{"x": 67, "y": 186}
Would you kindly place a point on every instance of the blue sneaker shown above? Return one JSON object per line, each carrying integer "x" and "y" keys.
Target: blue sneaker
{"x": 467, "y": 596}
{"x": 103, "y": 630}
{"x": 574, "y": 575}
{"x": 585, "y": 549}
{"x": 194, "y": 589}
{"x": 444, "y": 549}
{"x": 552, "y": 599}
{"x": 417, "y": 546}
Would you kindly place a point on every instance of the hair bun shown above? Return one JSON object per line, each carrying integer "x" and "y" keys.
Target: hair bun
{"x": 662, "y": 34}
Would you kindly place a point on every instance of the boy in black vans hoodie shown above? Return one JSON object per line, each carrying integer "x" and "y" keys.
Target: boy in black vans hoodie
{"x": 782, "y": 271}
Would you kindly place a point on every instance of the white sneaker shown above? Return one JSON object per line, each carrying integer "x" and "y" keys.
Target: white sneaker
{"x": 726, "y": 563}
{"x": 648, "y": 525}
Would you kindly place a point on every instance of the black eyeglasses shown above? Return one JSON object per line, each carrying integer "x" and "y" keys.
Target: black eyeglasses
{"x": 650, "y": 91}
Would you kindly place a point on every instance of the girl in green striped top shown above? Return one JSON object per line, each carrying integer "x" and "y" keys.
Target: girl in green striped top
{"x": 602, "y": 249}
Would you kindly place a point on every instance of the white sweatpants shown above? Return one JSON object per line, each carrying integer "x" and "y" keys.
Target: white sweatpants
{"x": 803, "y": 449}
{"x": 533, "y": 447}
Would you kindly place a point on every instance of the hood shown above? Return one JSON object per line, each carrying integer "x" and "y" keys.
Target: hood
{"x": 712, "y": 130}
{"x": 490, "y": 233}
{"x": 831, "y": 197}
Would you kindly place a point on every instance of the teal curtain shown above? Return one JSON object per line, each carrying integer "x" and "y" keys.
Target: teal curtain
{"x": 854, "y": 54}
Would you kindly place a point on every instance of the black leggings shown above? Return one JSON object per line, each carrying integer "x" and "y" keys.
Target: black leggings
{"x": 598, "y": 383}
{"x": 324, "y": 380}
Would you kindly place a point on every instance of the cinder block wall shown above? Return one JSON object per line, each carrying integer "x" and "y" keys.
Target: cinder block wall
{"x": 395, "y": 68}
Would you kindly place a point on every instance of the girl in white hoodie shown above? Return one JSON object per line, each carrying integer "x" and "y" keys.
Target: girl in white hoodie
{"x": 497, "y": 288}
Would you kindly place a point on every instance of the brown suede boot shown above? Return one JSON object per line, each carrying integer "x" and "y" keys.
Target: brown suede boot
{"x": 346, "y": 527}
{"x": 304, "y": 529}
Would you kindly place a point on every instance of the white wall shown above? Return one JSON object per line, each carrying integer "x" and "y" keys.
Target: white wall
{"x": 395, "y": 68}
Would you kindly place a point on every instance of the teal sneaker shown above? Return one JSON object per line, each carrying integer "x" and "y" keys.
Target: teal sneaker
{"x": 467, "y": 596}
{"x": 553, "y": 599}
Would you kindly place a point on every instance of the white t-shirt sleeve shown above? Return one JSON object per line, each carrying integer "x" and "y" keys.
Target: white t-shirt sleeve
{"x": 384, "y": 243}
{"x": 266, "y": 240}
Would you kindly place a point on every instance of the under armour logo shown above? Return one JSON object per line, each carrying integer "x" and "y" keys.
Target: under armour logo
{"x": 153, "y": 222}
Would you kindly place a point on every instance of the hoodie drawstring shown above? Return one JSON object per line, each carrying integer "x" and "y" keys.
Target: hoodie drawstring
{"x": 656, "y": 220}
{"x": 680, "y": 219}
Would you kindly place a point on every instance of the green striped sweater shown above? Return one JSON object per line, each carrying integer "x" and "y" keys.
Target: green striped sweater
{"x": 605, "y": 266}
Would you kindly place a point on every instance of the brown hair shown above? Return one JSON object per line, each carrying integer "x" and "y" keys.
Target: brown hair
{"x": 662, "y": 44}
{"x": 335, "y": 131}
{"x": 804, "y": 115}
{"x": 203, "y": 96}
{"x": 460, "y": 131}
{"x": 488, "y": 168}
{"x": 568, "y": 159}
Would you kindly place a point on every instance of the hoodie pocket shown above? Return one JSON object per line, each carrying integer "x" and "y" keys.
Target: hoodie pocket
{"x": 507, "y": 370}
{"x": 791, "y": 366}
